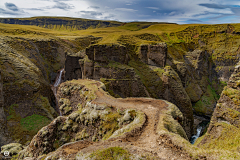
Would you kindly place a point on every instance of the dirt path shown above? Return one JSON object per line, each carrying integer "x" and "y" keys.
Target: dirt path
{"x": 147, "y": 140}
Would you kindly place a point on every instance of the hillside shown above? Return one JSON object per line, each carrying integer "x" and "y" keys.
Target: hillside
{"x": 175, "y": 72}
{"x": 61, "y": 23}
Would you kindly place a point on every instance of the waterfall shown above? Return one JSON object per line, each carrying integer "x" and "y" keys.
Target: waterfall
{"x": 59, "y": 78}
{"x": 55, "y": 86}
{"x": 196, "y": 136}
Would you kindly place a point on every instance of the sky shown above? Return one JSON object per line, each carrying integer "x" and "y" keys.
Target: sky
{"x": 172, "y": 11}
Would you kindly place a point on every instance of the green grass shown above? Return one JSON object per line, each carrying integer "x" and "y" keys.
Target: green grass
{"x": 229, "y": 138}
{"x": 111, "y": 153}
{"x": 34, "y": 122}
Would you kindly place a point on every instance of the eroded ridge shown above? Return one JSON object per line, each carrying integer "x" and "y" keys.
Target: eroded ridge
{"x": 95, "y": 124}
{"x": 92, "y": 119}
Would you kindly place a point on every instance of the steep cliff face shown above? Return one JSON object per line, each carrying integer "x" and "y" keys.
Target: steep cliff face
{"x": 189, "y": 73}
{"x": 200, "y": 81}
{"x": 27, "y": 94}
{"x": 154, "y": 55}
{"x": 108, "y": 64}
{"x": 175, "y": 93}
{"x": 4, "y": 136}
{"x": 223, "y": 131}
{"x": 28, "y": 67}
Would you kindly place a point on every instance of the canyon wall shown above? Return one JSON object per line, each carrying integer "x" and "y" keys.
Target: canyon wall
{"x": 28, "y": 68}
{"x": 223, "y": 130}
{"x": 111, "y": 65}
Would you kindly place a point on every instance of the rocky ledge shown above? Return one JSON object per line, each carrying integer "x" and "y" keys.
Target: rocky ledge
{"x": 95, "y": 124}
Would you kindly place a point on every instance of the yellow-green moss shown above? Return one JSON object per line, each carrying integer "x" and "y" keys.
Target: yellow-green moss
{"x": 111, "y": 153}
{"x": 110, "y": 124}
{"x": 81, "y": 135}
{"x": 194, "y": 92}
{"x": 229, "y": 138}
{"x": 138, "y": 122}
{"x": 234, "y": 94}
{"x": 44, "y": 104}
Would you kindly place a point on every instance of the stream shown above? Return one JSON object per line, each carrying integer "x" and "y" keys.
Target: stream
{"x": 55, "y": 86}
{"x": 196, "y": 136}
{"x": 200, "y": 129}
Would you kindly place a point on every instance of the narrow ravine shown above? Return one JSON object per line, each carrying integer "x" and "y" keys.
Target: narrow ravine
{"x": 54, "y": 88}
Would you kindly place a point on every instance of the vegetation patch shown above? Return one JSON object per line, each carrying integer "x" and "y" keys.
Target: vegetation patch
{"x": 34, "y": 122}
{"x": 110, "y": 124}
{"x": 226, "y": 140}
{"x": 233, "y": 94}
{"x": 111, "y": 153}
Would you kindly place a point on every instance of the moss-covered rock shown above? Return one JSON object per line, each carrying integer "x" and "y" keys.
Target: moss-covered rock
{"x": 12, "y": 148}
{"x": 206, "y": 105}
{"x": 194, "y": 92}
{"x": 176, "y": 94}
{"x": 171, "y": 121}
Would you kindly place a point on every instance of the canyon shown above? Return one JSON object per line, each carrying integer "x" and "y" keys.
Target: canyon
{"x": 141, "y": 95}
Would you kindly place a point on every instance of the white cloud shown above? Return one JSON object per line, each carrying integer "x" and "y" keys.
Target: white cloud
{"x": 152, "y": 7}
{"x": 125, "y": 9}
{"x": 156, "y": 10}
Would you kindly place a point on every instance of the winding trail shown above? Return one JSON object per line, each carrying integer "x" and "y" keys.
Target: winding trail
{"x": 147, "y": 141}
{"x": 144, "y": 141}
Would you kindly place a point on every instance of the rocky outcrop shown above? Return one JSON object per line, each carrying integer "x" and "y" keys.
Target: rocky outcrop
{"x": 90, "y": 114}
{"x": 188, "y": 77}
{"x": 224, "y": 127}
{"x": 108, "y": 64}
{"x": 175, "y": 93}
{"x": 155, "y": 55}
{"x": 12, "y": 148}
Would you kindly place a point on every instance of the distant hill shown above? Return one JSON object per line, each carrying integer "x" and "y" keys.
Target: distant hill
{"x": 68, "y": 23}
{"x": 61, "y": 22}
